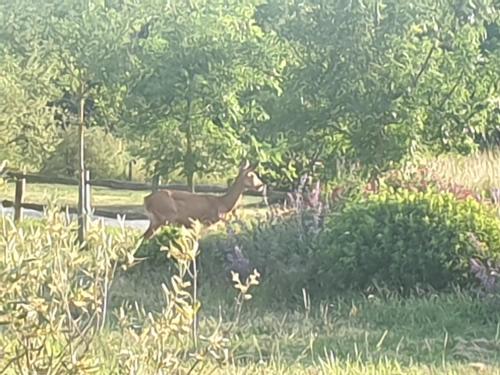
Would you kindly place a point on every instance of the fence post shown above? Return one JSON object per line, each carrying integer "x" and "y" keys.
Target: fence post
{"x": 88, "y": 192}
{"x": 19, "y": 198}
{"x": 82, "y": 206}
{"x": 156, "y": 182}
{"x": 130, "y": 169}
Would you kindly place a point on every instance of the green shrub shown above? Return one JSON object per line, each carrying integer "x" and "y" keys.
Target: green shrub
{"x": 210, "y": 262}
{"x": 56, "y": 316}
{"x": 405, "y": 240}
{"x": 154, "y": 254}
{"x": 53, "y": 295}
{"x": 105, "y": 156}
{"x": 278, "y": 248}
{"x": 152, "y": 248}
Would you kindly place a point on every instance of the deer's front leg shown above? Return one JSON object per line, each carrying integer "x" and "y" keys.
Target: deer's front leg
{"x": 224, "y": 216}
{"x": 149, "y": 232}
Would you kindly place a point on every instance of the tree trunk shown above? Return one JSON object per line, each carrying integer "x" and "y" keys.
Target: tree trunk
{"x": 156, "y": 182}
{"x": 190, "y": 181}
{"x": 130, "y": 168}
{"x": 82, "y": 209}
{"x": 189, "y": 160}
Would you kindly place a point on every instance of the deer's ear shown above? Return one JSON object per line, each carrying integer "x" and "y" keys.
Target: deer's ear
{"x": 251, "y": 168}
{"x": 244, "y": 165}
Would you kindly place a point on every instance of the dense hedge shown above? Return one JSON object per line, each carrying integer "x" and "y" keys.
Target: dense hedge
{"x": 405, "y": 240}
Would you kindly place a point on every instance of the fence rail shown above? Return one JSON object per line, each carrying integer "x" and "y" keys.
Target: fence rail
{"x": 128, "y": 185}
{"x": 129, "y": 215}
{"x": 22, "y": 179}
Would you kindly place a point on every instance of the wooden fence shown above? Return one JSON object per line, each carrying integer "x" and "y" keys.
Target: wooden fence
{"x": 22, "y": 179}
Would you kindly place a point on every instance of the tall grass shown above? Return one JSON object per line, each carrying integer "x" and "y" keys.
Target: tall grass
{"x": 480, "y": 171}
{"x": 64, "y": 310}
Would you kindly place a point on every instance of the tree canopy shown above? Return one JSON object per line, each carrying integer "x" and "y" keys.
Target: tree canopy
{"x": 196, "y": 86}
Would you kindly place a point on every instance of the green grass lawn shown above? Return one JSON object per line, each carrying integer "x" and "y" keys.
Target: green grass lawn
{"x": 380, "y": 333}
{"x": 445, "y": 333}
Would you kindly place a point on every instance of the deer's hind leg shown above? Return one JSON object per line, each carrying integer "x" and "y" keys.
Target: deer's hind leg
{"x": 149, "y": 232}
{"x": 153, "y": 226}
{"x": 157, "y": 219}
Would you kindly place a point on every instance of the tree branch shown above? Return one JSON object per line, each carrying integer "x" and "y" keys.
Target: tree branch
{"x": 450, "y": 93}
{"x": 419, "y": 74}
{"x": 424, "y": 66}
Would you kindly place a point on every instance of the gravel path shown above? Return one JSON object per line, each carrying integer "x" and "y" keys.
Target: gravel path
{"x": 138, "y": 224}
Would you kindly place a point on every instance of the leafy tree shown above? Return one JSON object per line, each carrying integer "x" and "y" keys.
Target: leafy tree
{"x": 26, "y": 127}
{"x": 92, "y": 40}
{"x": 88, "y": 43}
{"x": 63, "y": 61}
{"x": 204, "y": 64}
{"x": 288, "y": 83}
{"x": 381, "y": 80}
{"x": 27, "y": 133}
{"x": 105, "y": 155}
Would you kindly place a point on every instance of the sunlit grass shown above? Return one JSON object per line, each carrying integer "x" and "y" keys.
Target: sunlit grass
{"x": 353, "y": 368}
{"x": 480, "y": 171}
{"x": 382, "y": 333}
{"x": 379, "y": 332}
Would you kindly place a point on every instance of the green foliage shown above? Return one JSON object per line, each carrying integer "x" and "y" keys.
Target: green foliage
{"x": 54, "y": 305}
{"x": 292, "y": 84}
{"x": 210, "y": 262}
{"x": 56, "y": 55}
{"x": 169, "y": 339}
{"x": 27, "y": 132}
{"x": 208, "y": 63}
{"x": 278, "y": 248}
{"x": 405, "y": 240}
{"x": 152, "y": 248}
{"x": 378, "y": 81}
{"x": 56, "y": 316}
{"x": 105, "y": 155}
{"x": 53, "y": 295}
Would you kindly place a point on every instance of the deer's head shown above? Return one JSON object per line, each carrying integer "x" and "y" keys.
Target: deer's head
{"x": 250, "y": 178}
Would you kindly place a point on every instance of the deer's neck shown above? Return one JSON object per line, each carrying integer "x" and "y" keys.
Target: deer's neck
{"x": 233, "y": 195}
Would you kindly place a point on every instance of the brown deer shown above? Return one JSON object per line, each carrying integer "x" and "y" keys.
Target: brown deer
{"x": 180, "y": 207}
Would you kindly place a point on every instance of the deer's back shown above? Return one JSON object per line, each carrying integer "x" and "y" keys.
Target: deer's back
{"x": 179, "y": 206}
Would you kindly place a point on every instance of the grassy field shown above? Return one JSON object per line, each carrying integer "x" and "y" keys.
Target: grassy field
{"x": 455, "y": 332}
{"x": 380, "y": 333}
{"x": 480, "y": 171}
{"x": 377, "y": 335}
